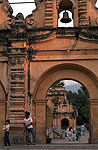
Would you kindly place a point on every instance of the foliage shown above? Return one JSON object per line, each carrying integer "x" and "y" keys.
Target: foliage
{"x": 58, "y": 84}
{"x": 80, "y": 100}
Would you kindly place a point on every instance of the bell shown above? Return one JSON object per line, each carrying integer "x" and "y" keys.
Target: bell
{"x": 65, "y": 18}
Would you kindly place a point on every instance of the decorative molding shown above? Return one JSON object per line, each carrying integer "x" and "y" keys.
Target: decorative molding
{"x": 8, "y": 23}
{"x": 48, "y": 13}
{"x": 3, "y": 101}
{"x": 93, "y": 101}
{"x": 40, "y": 101}
{"x": 17, "y": 83}
{"x": 1, "y": 1}
{"x": 31, "y": 23}
{"x": 82, "y": 12}
{"x": 19, "y": 16}
{"x": 8, "y": 8}
{"x": 96, "y": 20}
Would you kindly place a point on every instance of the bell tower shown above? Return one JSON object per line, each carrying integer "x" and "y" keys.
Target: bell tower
{"x": 84, "y": 13}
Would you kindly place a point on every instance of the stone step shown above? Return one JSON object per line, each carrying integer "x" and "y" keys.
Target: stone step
{"x": 53, "y": 147}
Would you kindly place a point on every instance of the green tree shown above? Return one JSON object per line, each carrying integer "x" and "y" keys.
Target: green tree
{"x": 80, "y": 100}
{"x": 58, "y": 84}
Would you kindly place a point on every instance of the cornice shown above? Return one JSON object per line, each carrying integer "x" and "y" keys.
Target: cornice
{"x": 18, "y": 32}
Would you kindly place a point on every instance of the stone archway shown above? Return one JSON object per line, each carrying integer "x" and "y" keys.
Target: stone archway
{"x": 2, "y": 112}
{"x": 75, "y": 72}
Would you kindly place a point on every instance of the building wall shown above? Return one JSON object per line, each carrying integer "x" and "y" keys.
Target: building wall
{"x": 35, "y": 53}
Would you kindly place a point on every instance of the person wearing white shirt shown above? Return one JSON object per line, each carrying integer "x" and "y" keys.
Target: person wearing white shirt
{"x": 6, "y": 128}
{"x": 29, "y": 127}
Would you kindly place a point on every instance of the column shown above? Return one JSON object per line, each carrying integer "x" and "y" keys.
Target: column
{"x": 41, "y": 121}
{"x": 93, "y": 121}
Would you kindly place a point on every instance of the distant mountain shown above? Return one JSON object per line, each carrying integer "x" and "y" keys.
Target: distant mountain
{"x": 73, "y": 87}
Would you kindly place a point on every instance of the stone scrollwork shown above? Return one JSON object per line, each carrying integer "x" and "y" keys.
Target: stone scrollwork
{"x": 20, "y": 16}
{"x": 31, "y": 22}
{"x": 1, "y": 1}
{"x": 96, "y": 20}
{"x": 8, "y": 23}
{"x": 8, "y": 8}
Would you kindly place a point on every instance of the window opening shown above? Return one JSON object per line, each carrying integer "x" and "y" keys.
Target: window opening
{"x": 67, "y": 106}
{"x": 22, "y": 6}
{"x": 65, "y": 14}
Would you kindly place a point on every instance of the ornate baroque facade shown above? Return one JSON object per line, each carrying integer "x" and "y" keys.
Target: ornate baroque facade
{"x": 60, "y": 112}
{"x": 35, "y": 53}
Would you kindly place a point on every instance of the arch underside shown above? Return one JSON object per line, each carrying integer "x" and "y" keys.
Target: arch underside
{"x": 67, "y": 72}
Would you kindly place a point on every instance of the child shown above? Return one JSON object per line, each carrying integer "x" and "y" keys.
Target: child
{"x": 70, "y": 132}
{"x": 6, "y": 128}
{"x": 73, "y": 136}
{"x": 29, "y": 127}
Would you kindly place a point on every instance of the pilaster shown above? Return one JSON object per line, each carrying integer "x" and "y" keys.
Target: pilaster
{"x": 82, "y": 12}
{"x": 93, "y": 121}
{"x": 41, "y": 121}
{"x": 17, "y": 92}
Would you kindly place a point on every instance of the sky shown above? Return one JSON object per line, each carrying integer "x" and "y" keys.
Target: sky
{"x": 26, "y": 9}
{"x": 70, "y": 82}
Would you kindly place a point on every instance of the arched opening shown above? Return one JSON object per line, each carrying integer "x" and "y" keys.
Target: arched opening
{"x": 64, "y": 123}
{"x": 67, "y": 106}
{"x": 65, "y": 14}
{"x": 59, "y": 72}
{"x": 22, "y": 6}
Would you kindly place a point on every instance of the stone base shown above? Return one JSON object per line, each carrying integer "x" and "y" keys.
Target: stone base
{"x": 17, "y": 135}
